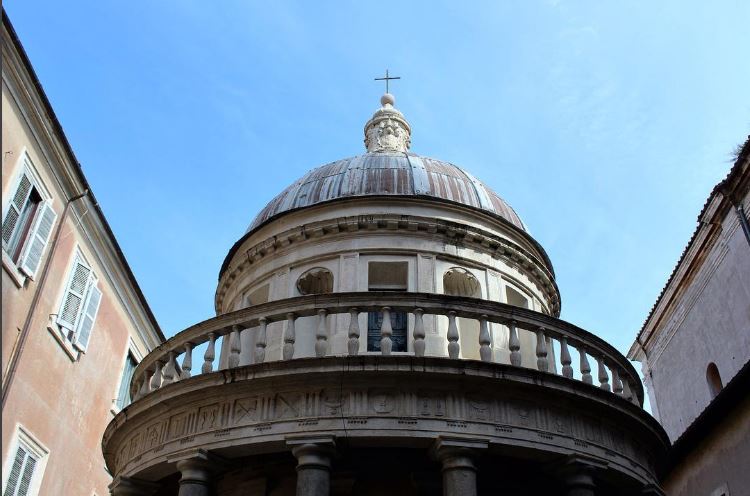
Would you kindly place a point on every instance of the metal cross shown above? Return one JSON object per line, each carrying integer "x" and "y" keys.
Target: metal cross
{"x": 387, "y": 78}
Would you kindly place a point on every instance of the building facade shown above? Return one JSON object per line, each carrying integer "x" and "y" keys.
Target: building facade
{"x": 386, "y": 325}
{"x": 695, "y": 348}
{"x": 74, "y": 322}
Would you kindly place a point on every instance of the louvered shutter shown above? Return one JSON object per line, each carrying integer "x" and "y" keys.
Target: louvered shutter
{"x": 38, "y": 238}
{"x": 74, "y": 294}
{"x": 15, "y": 207}
{"x": 21, "y": 474}
{"x": 93, "y": 298}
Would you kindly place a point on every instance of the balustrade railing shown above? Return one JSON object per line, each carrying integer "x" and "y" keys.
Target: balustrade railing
{"x": 162, "y": 366}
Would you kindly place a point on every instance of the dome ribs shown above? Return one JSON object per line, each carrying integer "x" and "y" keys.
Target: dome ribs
{"x": 383, "y": 174}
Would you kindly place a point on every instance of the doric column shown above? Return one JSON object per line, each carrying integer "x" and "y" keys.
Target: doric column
{"x": 313, "y": 464}
{"x": 195, "y": 468}
{"x": 577, "y": 473}
{"x": 457, "y": 455}
{"x": 126, "y": 486}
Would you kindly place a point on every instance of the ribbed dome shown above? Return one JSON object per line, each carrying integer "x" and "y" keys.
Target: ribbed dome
{"x": 388, "y": 173}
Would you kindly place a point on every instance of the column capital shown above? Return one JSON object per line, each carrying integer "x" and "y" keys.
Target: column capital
{"x": 577, "y": 473}
{"x": 312, "y": 451}
{"x": 196, "y": 465}
{"x": 128, "y": 486}
{"x": 446, "y": 447}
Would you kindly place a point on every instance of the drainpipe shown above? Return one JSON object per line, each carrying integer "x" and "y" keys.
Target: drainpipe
{"x": 16, "y": 356}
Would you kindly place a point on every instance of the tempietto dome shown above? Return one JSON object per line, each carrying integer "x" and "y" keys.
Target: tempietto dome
{"x": 388, "y": 173}
{"x": 390, "y": 180}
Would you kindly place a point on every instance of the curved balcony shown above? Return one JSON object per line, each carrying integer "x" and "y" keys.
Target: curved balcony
{"x": 387, "y": 399}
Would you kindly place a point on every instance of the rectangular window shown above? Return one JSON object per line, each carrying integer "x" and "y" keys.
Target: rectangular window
{"x": 24, "y": 467}
{"x": 123, "y": 396}
{"x": 80, "y": 304}
{"x": 28, "y": 219}
{"x": 387, "y": 276}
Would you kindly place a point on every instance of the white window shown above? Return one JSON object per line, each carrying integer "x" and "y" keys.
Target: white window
{"x": 28, "y": 219}
{"x": 80, "y": 304}
{"x": 24, "y": 466}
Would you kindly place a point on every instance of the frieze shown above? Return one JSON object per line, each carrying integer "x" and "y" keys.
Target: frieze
{"x": 460, "y": 411}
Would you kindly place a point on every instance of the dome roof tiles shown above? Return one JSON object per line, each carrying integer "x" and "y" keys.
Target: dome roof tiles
{"x": 400, "y": 174}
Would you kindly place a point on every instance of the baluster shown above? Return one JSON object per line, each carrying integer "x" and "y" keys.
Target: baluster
{"x": 235, "y": 347}
{"x": 138, "y": 386}
{"x": 453, "y": 347}
{"x": 353, "y": 343}
{"x": 616, "y": 383}
{"x": 485, "y": 342}
{"x": 541, "y": 350}
{"x": 170, "y": 370}
{"x": 321, "y": 335}
{"x": 385, "y": 332}
{"x": 187, "y": 361}
{"x": 156, "y": 379}
{"x": 208, "y": 357}
{"x": 260, "y": 343}
{"x": 585, "y": 367}
{"x": 603, "y": 376}
{"x": 289, "y": 337}
{"x": 146, "y": 387}
{"x": 626, "y": 392}
{"x": 565, "y": 359}
{"x": 418, "y": 333}
{"x": 514, "y": 344}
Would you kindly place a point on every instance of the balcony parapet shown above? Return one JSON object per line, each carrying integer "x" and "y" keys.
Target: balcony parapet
{"x": 173, "y": 361}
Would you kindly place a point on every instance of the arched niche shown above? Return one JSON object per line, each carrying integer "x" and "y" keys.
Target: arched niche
{"x": 461, "y": 282}
{"x": 315, "y": 281}
{"x": 714, "y": 380}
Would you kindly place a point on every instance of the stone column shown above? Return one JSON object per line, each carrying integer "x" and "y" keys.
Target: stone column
{"x": 313, "y": 464}
{"x": 196, "y": 477}
{"x": 127, "y": 486}
{"x": 577, "y": 474}
{"x": 580, "y": 483}
{"x": 195, "y": 467}
{"x": 457, "y": 455}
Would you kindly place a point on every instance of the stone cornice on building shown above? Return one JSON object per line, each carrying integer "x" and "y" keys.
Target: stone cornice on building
{"x": 451, "y": 232}
{"x": 724, "y": 197}
{"x": 29, "y": 96}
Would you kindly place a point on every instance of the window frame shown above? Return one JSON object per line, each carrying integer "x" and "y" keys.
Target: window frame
{"x": 68, "y": 337}
{"x": 23, "y": 438}
{"x": 131, "y": 351}
{"x": 24, "y": 166}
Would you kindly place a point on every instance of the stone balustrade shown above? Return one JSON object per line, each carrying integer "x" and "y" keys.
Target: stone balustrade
{"x": 173, "y": 360}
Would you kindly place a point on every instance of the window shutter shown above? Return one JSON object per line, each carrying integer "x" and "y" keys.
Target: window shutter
{"x": 123, "y": 396}
{"x": 93, "y": 298}
{"x": 74, "y": 294}
{"x": 15, "y": 207}
{"x": 19, "y": 479}
{"x": 40, "y": 233}
{"x": 28, "y": 473}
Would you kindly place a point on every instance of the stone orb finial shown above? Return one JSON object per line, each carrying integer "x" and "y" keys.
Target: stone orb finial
{"x": 387, "y": 99}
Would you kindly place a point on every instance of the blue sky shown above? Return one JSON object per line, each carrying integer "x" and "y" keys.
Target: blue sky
{"x": 604, "y": 124}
